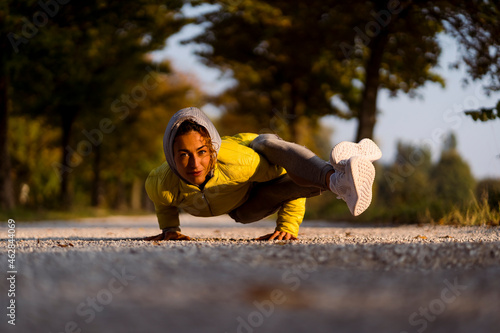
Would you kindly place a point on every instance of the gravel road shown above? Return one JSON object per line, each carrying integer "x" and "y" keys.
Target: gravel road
{"x": 97, "y": 275}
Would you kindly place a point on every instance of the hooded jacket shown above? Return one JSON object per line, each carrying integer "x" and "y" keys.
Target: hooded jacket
{"x": 236, "y": 168}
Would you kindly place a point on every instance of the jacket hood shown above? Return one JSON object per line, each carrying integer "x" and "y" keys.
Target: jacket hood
{"x": 193, "y": 114}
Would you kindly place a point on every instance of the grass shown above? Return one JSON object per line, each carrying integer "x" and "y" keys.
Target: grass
{"x": 479, "y": 213}
{"x": 40, "y": 214}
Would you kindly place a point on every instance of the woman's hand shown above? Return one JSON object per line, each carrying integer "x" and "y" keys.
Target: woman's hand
{"x": 173, "y": 235}
{"x": 278, "y": 235}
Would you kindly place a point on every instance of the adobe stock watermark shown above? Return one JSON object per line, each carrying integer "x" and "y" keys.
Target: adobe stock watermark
{"x": 420, "y": 319}
{"x": 11, "y": 271}
{"x": 89, "y": 308}
{"x": 453, "y": 116}
{"x": 292, "y": 279}
{"x": 39, "y": 20}
{"x": 121, "y": 107}
{"x": 372, "y": 29}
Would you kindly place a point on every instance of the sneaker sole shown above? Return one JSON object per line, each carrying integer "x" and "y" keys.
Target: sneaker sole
{"x": 363, "y": 176}
{"x": 345, "y": 150}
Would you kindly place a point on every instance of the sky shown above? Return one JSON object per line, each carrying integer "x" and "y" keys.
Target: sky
{"x": 421, "y": 121}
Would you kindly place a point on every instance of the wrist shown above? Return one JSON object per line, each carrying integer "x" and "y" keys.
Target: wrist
{"x": 171, "y": 229}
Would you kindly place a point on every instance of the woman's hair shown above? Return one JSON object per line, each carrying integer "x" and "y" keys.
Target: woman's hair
{"x": 188, "y": 126}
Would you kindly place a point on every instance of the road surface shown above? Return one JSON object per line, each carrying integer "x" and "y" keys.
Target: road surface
{"x": 97, "y": 275}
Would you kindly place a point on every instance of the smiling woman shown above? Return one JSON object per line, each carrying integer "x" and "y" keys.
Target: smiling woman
{"x": 194, "y": 153}
{"x": 250, "y": 176}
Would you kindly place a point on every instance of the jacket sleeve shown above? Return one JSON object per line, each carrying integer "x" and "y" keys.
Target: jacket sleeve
{"x": 290, "y": 216}
{"x": 167, "y": 214}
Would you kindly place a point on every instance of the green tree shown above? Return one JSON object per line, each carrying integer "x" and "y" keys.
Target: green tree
{"x": 113, "y": 174}
{"x": 273, "y": 49}
{"x": 382, "y": 39}
{"x": 292, "y": 58}
{"x": 452, "y": 177}
{"x": 6, "y": 185}
{"x": 33, "y": 147}
{"x": 297, "y": 56}
{"x": 74, "y": 64}
{"x": 409, "y": 37}
{"x": 404, "y": 187}
{"x": 476, "y": 26}
{"x": 489, "y": 189}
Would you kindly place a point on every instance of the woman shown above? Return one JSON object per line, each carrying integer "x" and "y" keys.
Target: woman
{"x": 250, "y": 176}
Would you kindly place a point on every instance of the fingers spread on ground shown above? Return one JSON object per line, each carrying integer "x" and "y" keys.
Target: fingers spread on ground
{"x": 265, "y": 237}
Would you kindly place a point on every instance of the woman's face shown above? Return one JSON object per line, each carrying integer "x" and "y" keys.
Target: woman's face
{"x": 192, "y": 157}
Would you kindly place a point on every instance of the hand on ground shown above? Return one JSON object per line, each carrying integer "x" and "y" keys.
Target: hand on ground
{"x": 168, "y": 236}
{"x": 278, "y": 235}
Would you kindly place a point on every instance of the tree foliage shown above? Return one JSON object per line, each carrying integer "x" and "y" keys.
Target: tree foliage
{"x": 485, "y": 114}
{"x": 453, "y": 179}
{"x": 476, "y": 27}
{"x": 489, "y": 189}
{"x": 407, "y": 180}
{"x": 112, "y": 174}
{"x": 413, "y": 185}
{"x": 67, "y": 62}
{"x": 33, "y": 147}
{"x": 296, "y": 57}
{"x": 272, "y": 51}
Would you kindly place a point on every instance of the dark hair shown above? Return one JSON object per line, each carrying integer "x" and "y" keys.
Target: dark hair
{"x": 188, "y": 126}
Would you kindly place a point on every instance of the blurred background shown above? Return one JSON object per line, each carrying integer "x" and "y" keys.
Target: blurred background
{"x": 87, "y": 88}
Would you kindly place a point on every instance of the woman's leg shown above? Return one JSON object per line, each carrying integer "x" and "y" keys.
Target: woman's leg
{"x": 303, "y": 166}
{"x": 352, "y": 182}
{"x": 266, "y": 198}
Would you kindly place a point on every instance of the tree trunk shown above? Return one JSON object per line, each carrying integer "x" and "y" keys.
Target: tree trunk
{"x": 136, "y": 197}
{"x": 6, "y": 187}
{"x": 67, "y": 119}
{"x": 367, "y": 116}
{"x": 120, "y": 198}
{"x": 95, "y": 200}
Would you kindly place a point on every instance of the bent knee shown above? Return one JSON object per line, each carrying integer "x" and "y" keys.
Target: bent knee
{"x": 260, "y": 142}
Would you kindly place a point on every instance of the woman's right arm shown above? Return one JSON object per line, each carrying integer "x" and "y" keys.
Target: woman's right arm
{"x": 167, "y": 214}
{"x": 168, "y": 219}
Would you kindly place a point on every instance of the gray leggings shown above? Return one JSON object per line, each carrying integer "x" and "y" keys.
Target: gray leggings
{"x": 305, "y": 178}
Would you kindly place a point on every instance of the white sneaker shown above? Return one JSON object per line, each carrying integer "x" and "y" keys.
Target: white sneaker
{"x": 343, "y": 151}
{"x": 354, "y": 185}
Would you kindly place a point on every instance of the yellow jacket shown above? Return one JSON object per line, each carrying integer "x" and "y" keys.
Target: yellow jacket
{"x": 236, "y": 168}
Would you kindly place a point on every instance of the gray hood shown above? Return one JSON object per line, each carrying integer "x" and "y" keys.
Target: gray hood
{"x": 178, "y": 118}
